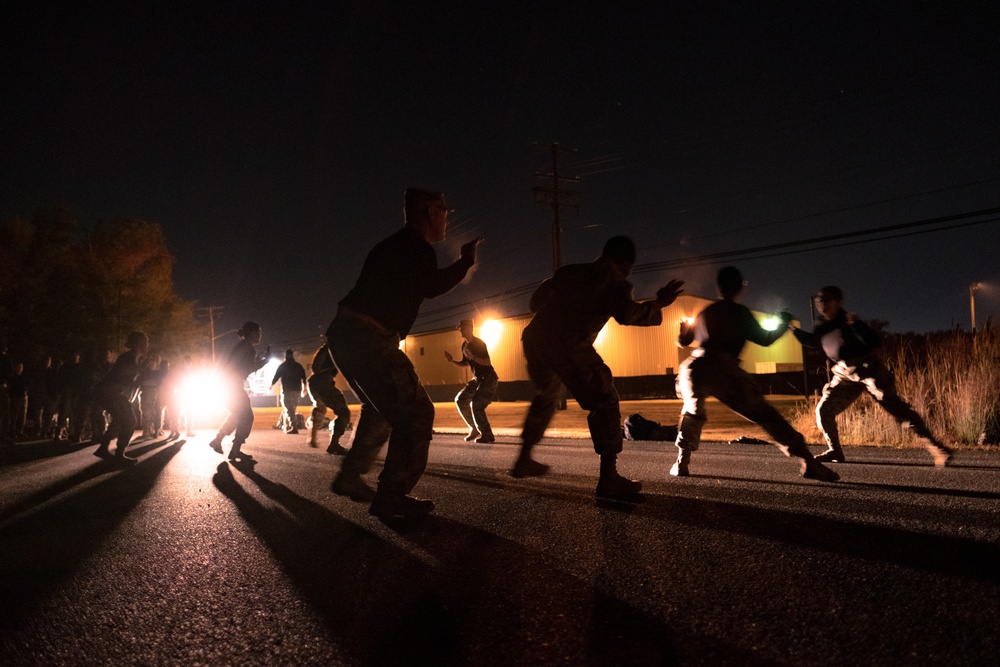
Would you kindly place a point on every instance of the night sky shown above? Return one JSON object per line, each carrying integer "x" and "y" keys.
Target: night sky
{"x": 273, "y": 144}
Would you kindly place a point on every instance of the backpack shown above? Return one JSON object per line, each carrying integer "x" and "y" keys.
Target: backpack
{"x": 637, "y": 427}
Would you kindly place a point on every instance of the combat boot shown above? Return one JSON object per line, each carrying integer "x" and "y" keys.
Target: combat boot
{"x": 813, "y": 469}
{"x": 353, "y": 486}
{"x": 216, "y": 444}
{"x": 680, "y": 467}
{"x": 525, "y": 466}
{"x": 387, "y": 505}
{"x": 833, "y": 455}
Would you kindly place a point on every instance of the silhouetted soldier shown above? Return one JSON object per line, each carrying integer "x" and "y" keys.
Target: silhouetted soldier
{"x": 324, "y": 393}
{"x": 293, "y": 379}
{"x": 98, "y": 420}
{"x": 852, "y": 346}
{"x": 6, "y": 407}
{"x": 115, "y": 393}
{"x": 18, "y": 390}
{"x": 149, "y": 397}
{"x": 713, "y": 369}
{"x": 570, "y": 310}
{"x": 481, "y": 390}
{"x": 241, "y": 362}
{"x": 399, "y": 273}
{"x": 71, "y": 383}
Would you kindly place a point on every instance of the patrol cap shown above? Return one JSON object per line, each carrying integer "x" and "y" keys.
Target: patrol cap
{"x": 463, "y": 323}
{"x": 414, "y": 196}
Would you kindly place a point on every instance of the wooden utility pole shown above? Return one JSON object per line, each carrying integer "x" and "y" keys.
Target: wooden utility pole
{"x": 556, "y": 198}
{"x": 211, "y": 310}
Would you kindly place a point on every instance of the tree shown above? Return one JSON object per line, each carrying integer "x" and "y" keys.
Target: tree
{"x": 62, "y": 291}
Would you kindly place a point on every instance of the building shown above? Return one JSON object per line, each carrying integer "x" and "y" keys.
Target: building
{"x": 644, "y": 360}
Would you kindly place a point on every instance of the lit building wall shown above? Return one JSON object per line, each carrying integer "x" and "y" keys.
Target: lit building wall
{"x": 628, "y": 351}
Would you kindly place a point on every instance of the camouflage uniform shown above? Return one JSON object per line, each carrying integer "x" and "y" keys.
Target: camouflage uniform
{"x": 571, "y": 309}
{"x": 857, "y": 368}
{"x": 398, "y": 274}
{"x": 324, "y": 393}
{"x": 478, "y": 392}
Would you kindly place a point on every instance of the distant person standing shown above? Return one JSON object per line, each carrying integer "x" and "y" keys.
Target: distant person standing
{"x": 852, "y": 346}
{"x": 241, "y": 362}
{"x": 6, "y": 407}
{"x": 292, "y": 377}
{"x": 713, "y": 369}
{"x": 18, "y": 390}
{"x": 570, "y": 310}
{"x": 398, "y": 274}
{"x": 115, "y": 393}
{"x": 481, "y": 390}
{"x": 150, "y": 407}
{"x": 324, "y": 393}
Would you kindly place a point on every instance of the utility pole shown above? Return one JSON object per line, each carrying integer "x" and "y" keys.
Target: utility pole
{"x": 556, "y": 198}
{"x": 211, "y": 310}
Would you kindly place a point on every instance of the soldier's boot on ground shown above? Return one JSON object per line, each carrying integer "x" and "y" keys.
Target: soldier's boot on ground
{"x": 122, "y": 458}
{"x": 313, "y": 432}
{"x": 834, "y": 454}
{"x": 353, "y": 486}
{"x": 611, "y": 484}
{"x": 942, "y": 454}
{"x": 237, "y": 453}
{"x": 474, "y": 434}
{"x": 216, "y": 444}
{"x": 680, "y": 466}
{"x": 525, "y": 466}
{"x": 335, "y": 448}
{"x": 103, "y": 451}
{"x": 391, "y": 503}
{"x": 487, "y": 436}
{"x": 809, "y": 466}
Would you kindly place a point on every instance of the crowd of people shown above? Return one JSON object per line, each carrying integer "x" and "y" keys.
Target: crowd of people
{"x": 570, "y": 309}
{"x": 61, "y": 399}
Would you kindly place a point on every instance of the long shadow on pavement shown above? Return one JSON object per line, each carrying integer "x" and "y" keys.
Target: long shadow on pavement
{"x": 945, "y": 555}
{"x": 22, "y": 452}
{"x": 41, "y": 552}
{"x": 96, "y": 469}
{"x": 443, "y": 592}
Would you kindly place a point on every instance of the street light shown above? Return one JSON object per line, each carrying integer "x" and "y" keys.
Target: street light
{"x": 972, "y": 305}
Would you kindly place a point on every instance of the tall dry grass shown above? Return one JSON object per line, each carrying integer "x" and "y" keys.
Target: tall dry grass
{"x": 950, "y": 378}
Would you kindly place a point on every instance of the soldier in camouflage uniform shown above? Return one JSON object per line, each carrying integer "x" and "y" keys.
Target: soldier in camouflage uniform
{"x": 481, "y": 390}
{"x": 324, "y": 393}
{"x": 570, "y": 310}
{"x": 399, "y": 273}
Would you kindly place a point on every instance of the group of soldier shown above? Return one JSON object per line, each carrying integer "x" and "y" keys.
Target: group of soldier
{"x": 60, "y": 400}
{"x": 570, "y": 309}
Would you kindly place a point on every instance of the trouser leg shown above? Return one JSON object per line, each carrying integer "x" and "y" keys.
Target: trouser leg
{"x": 463, "y": 401}
{"x": 838, "y": 395}
{"x": 485, "y": 395}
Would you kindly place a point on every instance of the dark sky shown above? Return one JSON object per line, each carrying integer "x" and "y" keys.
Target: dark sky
{"x": 273, "y": 145}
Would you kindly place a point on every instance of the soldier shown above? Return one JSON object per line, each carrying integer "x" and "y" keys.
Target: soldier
{"x": 722, "y": 329}
{"x": 324, "y": 393}
{"x": 293, "y": 380}
{"x": 399, "y": 273}
{"x": 570, "y": 310}
{"x": 852, "y": 346}
{"x": 115, "y": 393}
{"x": 18, "y": 390}
{"x": 241, "y": 362}
{"x": 481, "y": 390}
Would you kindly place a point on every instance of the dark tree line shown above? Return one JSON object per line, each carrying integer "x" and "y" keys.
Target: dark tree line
{"x": 65, "y": 288}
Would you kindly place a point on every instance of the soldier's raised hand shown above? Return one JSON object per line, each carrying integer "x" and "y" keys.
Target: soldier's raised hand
{"x": 667, "y": 294}
{"x": 469, "y": 249}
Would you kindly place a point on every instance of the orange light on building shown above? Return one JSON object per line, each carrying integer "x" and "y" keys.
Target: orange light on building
{"x": 490, "y": 331}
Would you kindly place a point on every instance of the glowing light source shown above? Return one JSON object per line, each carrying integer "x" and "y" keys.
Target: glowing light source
{"x": 687, "y": 320}
{"x": 260, "y": 382}
{"x": 490, "y": 332}
{"x": 202, "y": 395}
{"x": 770, "y": 323}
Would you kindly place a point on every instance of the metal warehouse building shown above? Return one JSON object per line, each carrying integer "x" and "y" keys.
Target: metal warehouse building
{"x": 644, "y": 360}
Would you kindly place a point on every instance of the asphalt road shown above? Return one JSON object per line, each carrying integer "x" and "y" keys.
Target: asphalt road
{"x": 185, "y": 559}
